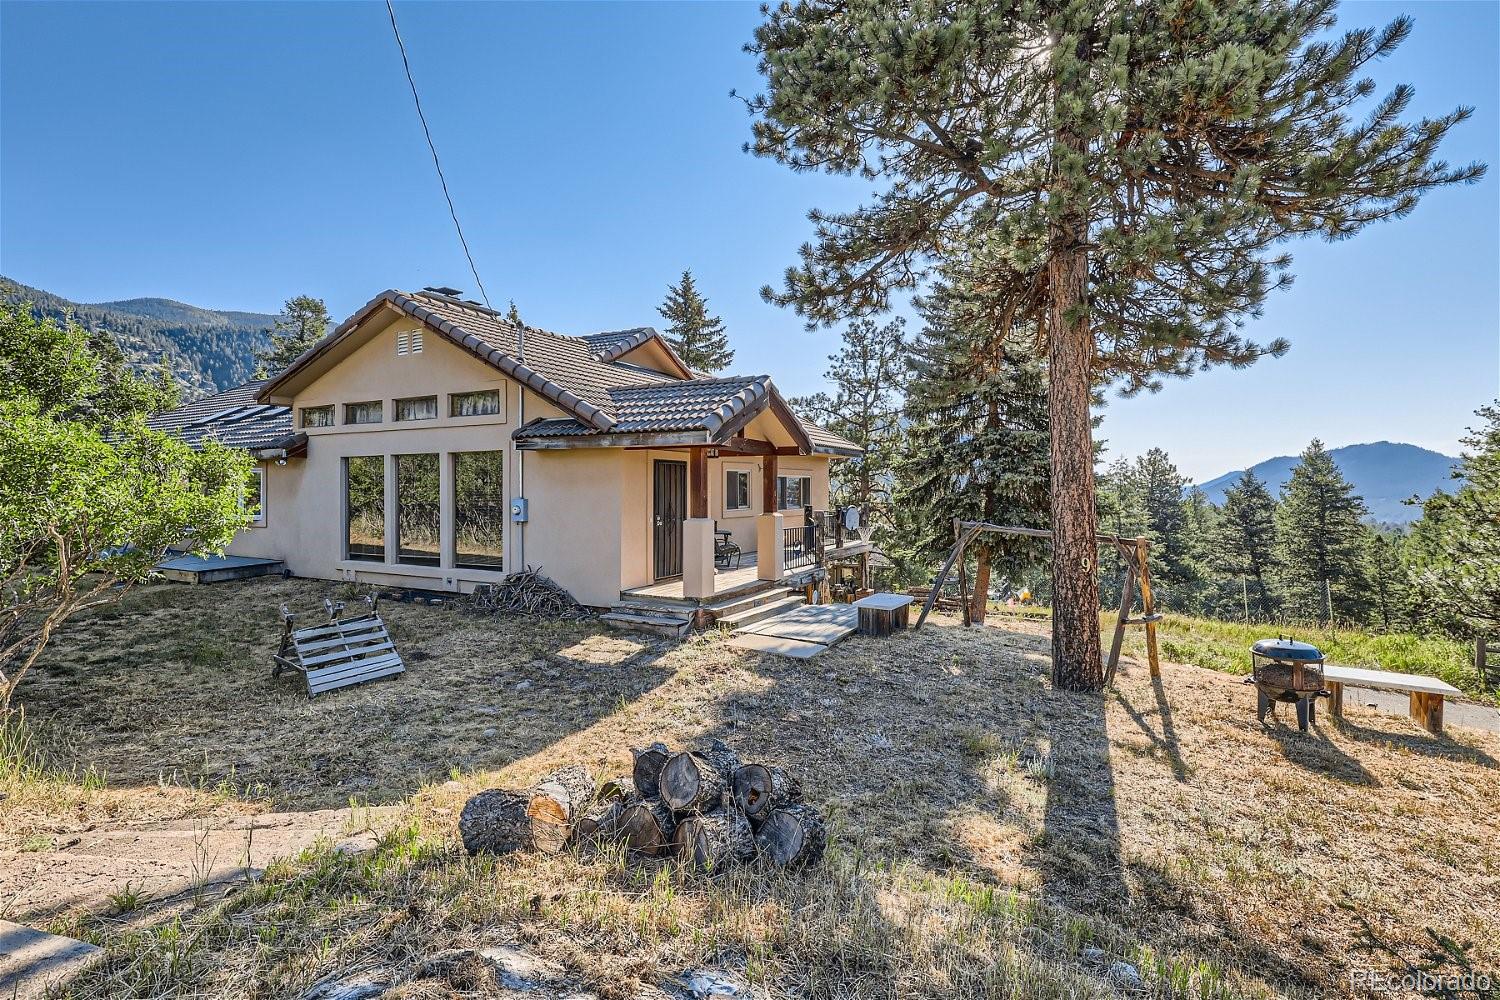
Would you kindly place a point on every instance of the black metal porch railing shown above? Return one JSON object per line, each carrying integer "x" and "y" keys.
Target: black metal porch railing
{"x": 803, "y": 544}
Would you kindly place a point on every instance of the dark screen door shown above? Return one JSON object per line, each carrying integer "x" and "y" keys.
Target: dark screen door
{"x": 668, "y": 508}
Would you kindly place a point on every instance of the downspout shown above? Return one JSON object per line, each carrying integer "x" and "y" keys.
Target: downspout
{"x": 521, "y": 452}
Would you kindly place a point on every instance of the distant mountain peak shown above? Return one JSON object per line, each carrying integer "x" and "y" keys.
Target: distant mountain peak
{"x": 1385, "y": 473}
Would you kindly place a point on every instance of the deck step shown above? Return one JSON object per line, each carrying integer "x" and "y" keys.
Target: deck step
{"x": 631, "y": 619}
{"x": 761, "y": 610}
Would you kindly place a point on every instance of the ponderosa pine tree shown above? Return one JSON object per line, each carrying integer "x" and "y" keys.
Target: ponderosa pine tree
{"x": 976, "y": 441}
{"x": 1161, "y": 489}
{"x": 1138, "y": 164}
{"x": 698, "y": 338}
{"x": 1321, "y": 542}
{"x": 1244, "y": 544}
{"x": 868, "y": 376}
{"x": 1454, "y": 549}
{"x": 303, "y": 322}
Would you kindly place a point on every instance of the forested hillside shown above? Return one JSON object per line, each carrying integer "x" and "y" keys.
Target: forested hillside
{"x": 209, "y": 350}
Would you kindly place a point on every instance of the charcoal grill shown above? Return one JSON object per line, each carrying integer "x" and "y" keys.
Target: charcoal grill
{"x": 1285, "y": 670}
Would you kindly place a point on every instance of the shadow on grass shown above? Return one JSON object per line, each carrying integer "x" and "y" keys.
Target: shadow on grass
{"x": 1420, "y": 744}
{"x": 1166, "y": 741}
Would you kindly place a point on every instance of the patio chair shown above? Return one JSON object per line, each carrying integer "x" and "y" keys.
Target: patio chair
{"x": 725, "y": 550}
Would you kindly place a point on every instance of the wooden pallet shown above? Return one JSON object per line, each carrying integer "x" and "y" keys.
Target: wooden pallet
{"x": 340, "y": 653}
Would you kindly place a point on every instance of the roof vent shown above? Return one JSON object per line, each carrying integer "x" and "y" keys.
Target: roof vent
{"x": 444, "y": 290}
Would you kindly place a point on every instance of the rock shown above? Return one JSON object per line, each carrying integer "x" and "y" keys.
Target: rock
{"x": 880, "y": 741}
{"x": 359, "y": 845}
{"x": 521, "y": 970}
{"x": 489, "y": 732}
{"x": 360, "y": 986}
{"x": 1125, "y": 976}
{"x": 702, "y": 983}
{"x": 523, "y": 685}
{"x": 1092, "y": 954}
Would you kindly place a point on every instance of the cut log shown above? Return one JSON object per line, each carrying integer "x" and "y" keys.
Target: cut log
{"x": 495, "y": 822}
{"x": 793, "y": 836}
{"x": 648, "y": 765}
{"x": 614, "y": 788}
{"x": 645, "y": 827}
{"x": 759, "y": 789}
{"x": 600, "y": 824}
{"x": 698, "y": 779}
{"x": 714, "y": 840}
{"x": 556, "y": 803}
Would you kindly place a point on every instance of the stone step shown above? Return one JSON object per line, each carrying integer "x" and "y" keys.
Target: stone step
{"x": 670, "y": 626}
{"x": 741, "y": 600}
{"x": 760, "y": 612}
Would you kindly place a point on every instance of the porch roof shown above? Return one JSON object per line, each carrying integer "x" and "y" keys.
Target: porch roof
{"x": 233, "y": 418}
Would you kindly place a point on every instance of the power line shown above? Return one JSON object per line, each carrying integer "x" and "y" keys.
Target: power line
{"x": 452, "y": 212}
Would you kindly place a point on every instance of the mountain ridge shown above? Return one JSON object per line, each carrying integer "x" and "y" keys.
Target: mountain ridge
{"x": 1384, "y": 473}
{"x": 209, "y": 349}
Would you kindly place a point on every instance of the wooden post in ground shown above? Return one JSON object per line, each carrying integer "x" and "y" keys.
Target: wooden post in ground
{"x": 1427, "y": 710}
{"x": 1127, "y": 598}
{"x": 1148, "y": 603}
{"x": 1481, "y": 661}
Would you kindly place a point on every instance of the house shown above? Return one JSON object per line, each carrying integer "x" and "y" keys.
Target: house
{"x": 427, "y": 443}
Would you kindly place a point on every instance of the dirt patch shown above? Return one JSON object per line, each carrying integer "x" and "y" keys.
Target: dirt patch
{"x": 975, "y": 812}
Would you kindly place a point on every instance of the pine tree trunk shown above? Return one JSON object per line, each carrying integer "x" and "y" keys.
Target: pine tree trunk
{"x": 1076, "y": 661}
{"x": 979, "y": 600}
{"x": 495, "y": 822}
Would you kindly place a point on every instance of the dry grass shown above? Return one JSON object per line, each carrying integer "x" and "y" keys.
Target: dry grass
{"x": 1008, "y": 830}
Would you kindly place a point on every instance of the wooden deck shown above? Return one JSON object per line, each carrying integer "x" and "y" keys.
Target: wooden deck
{"x": 726, "y": 581}
{"x": 800, "y": 633}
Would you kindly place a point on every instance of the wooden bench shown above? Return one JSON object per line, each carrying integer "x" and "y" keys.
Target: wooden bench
{"x": 1426, "y": 693}
{"x": 882, "y": 614}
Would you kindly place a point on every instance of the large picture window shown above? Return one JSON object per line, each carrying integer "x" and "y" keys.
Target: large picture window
{"x": 736, "y": 489}
{"x": 418, "y": 524}
{"x": 364, "y": 504}
{"x": 479, "y": 509}
{"x": 793, "y": 492}
{"x": 483, "y": 403}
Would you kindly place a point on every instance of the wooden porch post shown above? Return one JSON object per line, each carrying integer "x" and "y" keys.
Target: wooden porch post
{"x": 698, "y": 482}
{"x": 768, "y": 470}
{"x": 770, "y": 563}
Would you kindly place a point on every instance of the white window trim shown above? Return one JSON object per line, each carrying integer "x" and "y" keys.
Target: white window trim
{"x": 749, "y": 509}
{"x": 259, "y": 520}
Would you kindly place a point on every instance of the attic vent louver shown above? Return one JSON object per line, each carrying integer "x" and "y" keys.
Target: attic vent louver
{"x": 416, "y": 341}
{"x": 402, "y": 345}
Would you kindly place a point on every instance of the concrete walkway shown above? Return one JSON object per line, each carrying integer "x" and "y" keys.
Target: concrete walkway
{"x": 1455, "y": 713}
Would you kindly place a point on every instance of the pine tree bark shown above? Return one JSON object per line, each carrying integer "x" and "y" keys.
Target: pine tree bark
{"x": 495, "y": 822}
{"x": 698, "y": 780}
{"x": 760, "y": 789}
{"x": 712, "y": 841}
{"x": 645, "y": 827}
{"x": 1076, "y": 661}
{"x": 979, "y": 598}
{"x": 557, "y": 801}
{"x": 793, "y": 836}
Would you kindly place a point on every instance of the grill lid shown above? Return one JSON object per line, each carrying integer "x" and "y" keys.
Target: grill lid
{"x": 1287, "y": 649}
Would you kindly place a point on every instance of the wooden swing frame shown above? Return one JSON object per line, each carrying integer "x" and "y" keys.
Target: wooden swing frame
{"x": 1135, "y": 551}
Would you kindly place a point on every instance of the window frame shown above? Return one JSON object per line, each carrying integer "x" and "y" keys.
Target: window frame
{"x": 349, "y": 410}
{"x": 349, "y": 554}
{"x": 396, "y": 408}
{"x": 325, "y": 408}
{"x": 503, "y": 503}
{"x": 496, "y": 394}
{"x": 403, "y": 557}
{"x": 804, "y": 488}
{"x": 744, "y": 477}
{"x": 259, "y": 518}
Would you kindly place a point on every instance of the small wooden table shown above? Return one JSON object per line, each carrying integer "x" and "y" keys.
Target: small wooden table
{"x": 1426, "y": 693}
{"x": 882, "y": 614}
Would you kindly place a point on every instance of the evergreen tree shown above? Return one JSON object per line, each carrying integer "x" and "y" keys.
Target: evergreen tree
{"x": 698, "y": 338}
{"x": 976, "y": 442}
{"x": 1244, "y": 544}
{"x": 303, "y": 322}
{"x": 1138, "y": 164}
{"x": 1196, "y": 592}
{"x": 1161, "y": 489}
{"x": 1321, "y": 542}
{"x": 1454, "y": 549}
{"x": 868, "y": 374}
{"x": 1390, "y": 590}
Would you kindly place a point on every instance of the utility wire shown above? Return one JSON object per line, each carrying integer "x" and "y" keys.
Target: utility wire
{"x": 452, "y": 212}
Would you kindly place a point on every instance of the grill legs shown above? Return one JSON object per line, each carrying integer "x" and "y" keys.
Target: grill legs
{"x": 1307, "y": 710}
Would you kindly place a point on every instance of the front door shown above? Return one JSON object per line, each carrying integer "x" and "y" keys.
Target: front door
{"x": 668, "y": 508}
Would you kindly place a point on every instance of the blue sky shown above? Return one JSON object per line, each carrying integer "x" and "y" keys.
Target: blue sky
{"x": 232, "y": 155}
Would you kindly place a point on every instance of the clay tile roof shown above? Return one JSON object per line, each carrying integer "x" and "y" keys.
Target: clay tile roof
{"x": 827, "y": 442}
{"x": 232, "y": 417}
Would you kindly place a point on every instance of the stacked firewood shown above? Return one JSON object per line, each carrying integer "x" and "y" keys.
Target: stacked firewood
{"x": 704, "y": 806}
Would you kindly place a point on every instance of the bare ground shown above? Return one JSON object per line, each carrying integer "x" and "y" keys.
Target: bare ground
{"x": 990, "y": 832}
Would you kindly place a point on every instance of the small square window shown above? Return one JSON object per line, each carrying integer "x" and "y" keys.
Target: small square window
{"x": 736, "y": 489}
{"x": 417, "y": 408}
{"x": 483, "y": 403}
{"x": 371, "y": 412}
{"x": 317, "y": 416}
